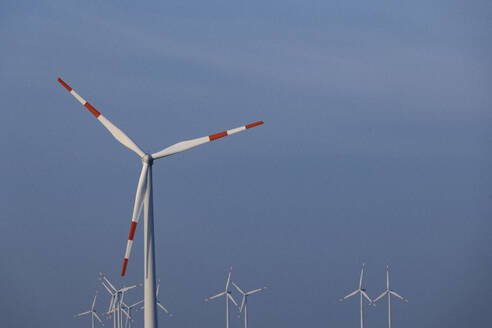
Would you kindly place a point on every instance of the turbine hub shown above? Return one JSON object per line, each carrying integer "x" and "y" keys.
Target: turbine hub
{"x": 147, "y": 159}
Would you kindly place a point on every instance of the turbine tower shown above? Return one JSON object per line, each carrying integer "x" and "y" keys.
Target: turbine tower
{"x": 389, "y": 292}
{"x": 362, "y": 292}
{"x": 92, "y": 312}
{"x": 228, "y": 296}
{"x": 144, "y": 197}
{"x": 244, "y": 302}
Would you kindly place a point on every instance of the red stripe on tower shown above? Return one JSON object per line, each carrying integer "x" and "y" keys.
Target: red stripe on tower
{"x": 252, "y": 125}
{"x": 64, "y": 84}
{"x": 217, "y": 136}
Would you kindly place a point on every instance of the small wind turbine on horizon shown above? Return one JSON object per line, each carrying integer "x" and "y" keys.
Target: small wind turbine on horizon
{"x": 159, "y": 304}
{"x": 117, "y": 296}
{"x": 389, "y": 292}
{"x": 362, "y": 293}
{"x": 144, "y": 197}
{"x": 92, "y": 312}
{"x": 228, "y": 296}
{"x": 244, "y": 302}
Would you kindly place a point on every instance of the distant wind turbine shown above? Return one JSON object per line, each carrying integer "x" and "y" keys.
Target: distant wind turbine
{"x": 228, "y": 296}
{"x": 362, "y": 292}
{"x": 244, "y": 302}
{"x": 92, "y": 312}
{"x": 389, "y": 292}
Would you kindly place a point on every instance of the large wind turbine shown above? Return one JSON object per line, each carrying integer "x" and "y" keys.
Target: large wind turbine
{"x": 144, "y": 197}
{"x": 92, "y": 312}
{"x": 244, "y": 302}
{"x": 362, "y": 292}
{"x": 228, "y": 296}
{"x": 389, "y": 292}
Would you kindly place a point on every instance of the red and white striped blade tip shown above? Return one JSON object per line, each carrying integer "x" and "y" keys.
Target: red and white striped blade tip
{"x": 125, "y": 263}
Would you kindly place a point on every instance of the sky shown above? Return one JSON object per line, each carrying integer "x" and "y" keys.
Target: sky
{"x": 375, "y": 148}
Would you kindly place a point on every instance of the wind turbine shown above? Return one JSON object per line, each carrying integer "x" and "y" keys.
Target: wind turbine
{"x": 389, "y": 292}
{"x": 244, "y": 302}
{"x": 144, "y": 198}
{"x": 92, "y": 312}
{"x": 117, "y": 296}
{"x": 159, "y": 304}
{"x": 228, "y": 296}
{"x": 362, "y": 292}
{"x": 127, "y": 310}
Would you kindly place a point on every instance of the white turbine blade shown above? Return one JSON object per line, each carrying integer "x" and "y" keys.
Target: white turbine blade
{"x": 81, "y": 314}
{"x": 94, "y": 302}
{"x": 237, "y": 287}
{"x": 117, "y": 133}
{"x": 126, "y": 313}
{"x": 380, "y": 296}
{"x": 399, "y": 296}
{"x": 215, "y": 296}
{"x": 165, "y": 310}
{"x": 228, "y": 278}
{"x": 367, "y": 297}
{"x": 157, "y": 288}
{"x": 125, "y": 289}
{"x": 232, "y": 299}
{"x": 255, "y": 291}
{"x": 185, "y": 145}
{"x": 387, "y": 277}
{"x": 137, "y": 209}
{"x": 242, "y": 304}
{"x": 106, "y": 287}
{"x": 99, "y": 319}
{"x": 107, "y": 281}
{"x": 135, "y": 304}
{"x": 349, "y": 295}
{"x": 361, "y": 275}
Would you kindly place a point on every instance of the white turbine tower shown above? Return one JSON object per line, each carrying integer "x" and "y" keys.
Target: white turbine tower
{"x": 117, "y": 296}
{"x": 228, "y": 296}
{"x": 389, "y": 292}
{"x": 144, "y": 198}
{"x": 92, "y": 312}
{"x": 159, "y": 304}
{"x": 362, "y": 292}
{"x": 244, "y": 302}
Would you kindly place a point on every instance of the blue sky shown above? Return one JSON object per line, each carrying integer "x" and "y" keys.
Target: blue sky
{"x": 376, "y": 148}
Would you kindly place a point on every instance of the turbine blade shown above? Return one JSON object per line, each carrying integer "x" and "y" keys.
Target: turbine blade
{"x": 387, "y": 277}
{"x": 187, "y": 144}
{"x": 117, "y": 133}
{"x": 94, "y": 301}
{"x": 255, "y": 291}
{"x": 242, "y": 304}
{"x": 361, "y": 275}
{"x": 107, "y": 281}
{"x": 237, "y": 287}
{"x": 215, "y": 296}
{"x": 125, "y": 289}
{"x": 135, "y": 304}
{"x": 163, "y": 308}
{"x": 349, "y": 295}
{"x": 98, "y": 319}
{"x": 157, "y": 288}
{"x": 380, "y": 296}
{"x": 399, "y": 296}
{"x": 232, "y": 299}
{"x": 228, "y": 278}
{"x": 137, "y": 209}
{"x": 81, "y": 314}
{"x": 367, "y": 297}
